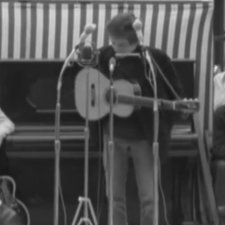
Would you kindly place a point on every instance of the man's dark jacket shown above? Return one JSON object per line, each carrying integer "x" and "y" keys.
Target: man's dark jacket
{"x": 140, "y": 124}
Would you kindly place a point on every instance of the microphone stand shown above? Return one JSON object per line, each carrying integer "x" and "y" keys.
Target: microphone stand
{"x": 57, "y": 143}
{"x": 111, "y": 142}
{"x": 155, "y": 145}
{"x": 85, "y": 201}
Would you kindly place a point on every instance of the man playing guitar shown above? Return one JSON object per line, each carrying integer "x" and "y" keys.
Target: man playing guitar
{"x": 133, "y": 135}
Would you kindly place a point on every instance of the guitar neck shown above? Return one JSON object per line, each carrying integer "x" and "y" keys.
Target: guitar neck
{"x": 162, "y": 103}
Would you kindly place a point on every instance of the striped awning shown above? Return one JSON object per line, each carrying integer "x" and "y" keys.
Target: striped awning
{"x": 49, "y": 30}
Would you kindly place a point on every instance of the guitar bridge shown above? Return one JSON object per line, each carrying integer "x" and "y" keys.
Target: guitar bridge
{"x": 114, "y": 97}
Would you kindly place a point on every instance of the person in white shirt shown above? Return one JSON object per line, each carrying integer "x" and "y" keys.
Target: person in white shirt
{"x": 6, "y": 128}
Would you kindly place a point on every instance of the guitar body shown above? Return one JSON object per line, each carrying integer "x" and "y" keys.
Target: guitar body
{"x": 12, "y": 210}
{"x": 91, "y": 91}
{"x": 92, "y": 97}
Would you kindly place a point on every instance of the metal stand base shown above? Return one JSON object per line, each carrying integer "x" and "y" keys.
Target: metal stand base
{"x": 87, "y": 203}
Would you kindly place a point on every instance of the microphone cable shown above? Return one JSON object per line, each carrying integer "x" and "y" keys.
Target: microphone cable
{"x": 176, "y": 95}
{"x": 58, "y": 192}
{"x": 151, "y": 77}
{"x": 100, "y": 193}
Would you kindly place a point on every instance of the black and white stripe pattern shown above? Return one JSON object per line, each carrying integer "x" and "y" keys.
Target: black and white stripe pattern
{"x": 49, "y": 30}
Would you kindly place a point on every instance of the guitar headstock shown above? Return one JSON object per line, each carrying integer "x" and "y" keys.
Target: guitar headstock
{"x": 188, "y": 105}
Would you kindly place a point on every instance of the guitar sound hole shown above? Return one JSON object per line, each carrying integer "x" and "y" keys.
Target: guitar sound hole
{"x": 92, "y": 95}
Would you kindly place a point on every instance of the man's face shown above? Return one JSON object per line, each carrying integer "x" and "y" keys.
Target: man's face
{"x": 121, "y": 45}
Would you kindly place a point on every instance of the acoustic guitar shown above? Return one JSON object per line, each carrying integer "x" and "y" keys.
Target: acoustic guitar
{"x": 92, "y": 97}
{"x": 12, "y": 210}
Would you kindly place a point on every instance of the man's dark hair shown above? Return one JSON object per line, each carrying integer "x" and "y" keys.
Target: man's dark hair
{"x": 121, "y": 26}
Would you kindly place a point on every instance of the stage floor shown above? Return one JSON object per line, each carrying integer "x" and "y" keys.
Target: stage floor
{"x": 35, "y": 187}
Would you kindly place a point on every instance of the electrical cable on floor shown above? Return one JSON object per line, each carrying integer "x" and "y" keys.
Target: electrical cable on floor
{"x": 163, "y": 195}
{"x": 63, "y": 203}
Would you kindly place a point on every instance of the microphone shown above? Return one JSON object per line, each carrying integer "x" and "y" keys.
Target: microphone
{"x": 88, "y": 30}
{"x": 86, "y": 54}
{"x": 112, "y": 64}
{"x": 137, "y": 25}
{"x": 85, "y": 50}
